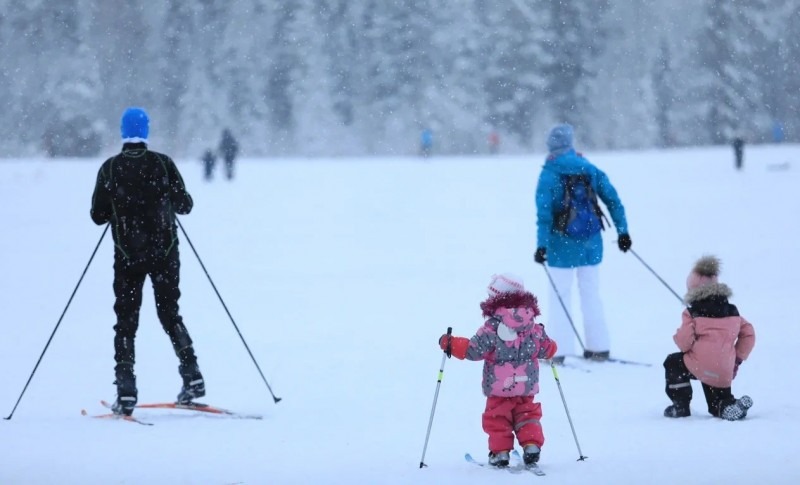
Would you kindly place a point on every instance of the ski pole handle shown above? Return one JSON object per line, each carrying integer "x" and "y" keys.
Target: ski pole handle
{"x": 449, "y": 350}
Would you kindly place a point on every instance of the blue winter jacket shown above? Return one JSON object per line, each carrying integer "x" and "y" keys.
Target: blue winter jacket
{"x": 564, "y": 251}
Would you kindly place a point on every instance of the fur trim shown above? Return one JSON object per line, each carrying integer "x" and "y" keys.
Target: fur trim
{"x": 706, "y": 291}
{"x": 510, "y": 300}
{"x": 707, "y": 266}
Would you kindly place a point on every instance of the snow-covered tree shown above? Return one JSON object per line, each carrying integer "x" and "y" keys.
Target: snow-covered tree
{"x": 731, "y": 52}
{"x": 576, "y": 38}
{"x": 366, "y": 76}
{"x": 514, "y": 53}
{"x": 663, "y": 87}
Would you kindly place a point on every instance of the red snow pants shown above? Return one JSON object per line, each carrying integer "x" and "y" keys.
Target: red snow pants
{"x": 506, "y": 416}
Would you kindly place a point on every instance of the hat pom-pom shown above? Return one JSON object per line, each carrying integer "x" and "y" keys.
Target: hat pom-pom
{"x": 707, "y": 266}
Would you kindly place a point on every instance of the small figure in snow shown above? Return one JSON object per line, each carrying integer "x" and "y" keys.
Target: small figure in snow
{"x": 510, "y": 343}
{"x": 778, "y": 132}
{"x": 713, "y": 340}
{"x": 738, "y": 151}
{"x": 209, "y": 160}
{"x": 494, "y": 142}
{"x": 426, "y": 143}
{"x": 228, "y": 148}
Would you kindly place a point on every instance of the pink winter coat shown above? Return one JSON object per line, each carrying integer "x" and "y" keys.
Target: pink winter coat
{"x": 713, "y": 335}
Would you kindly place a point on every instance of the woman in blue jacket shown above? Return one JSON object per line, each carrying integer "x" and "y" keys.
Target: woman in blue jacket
{"x": 569, "y": 240}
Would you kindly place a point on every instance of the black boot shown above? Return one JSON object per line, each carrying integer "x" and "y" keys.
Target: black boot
{"x": 530, "y": 454}
{"x": 193, "y": 384}
{"x": 596, "y": 356}
{"x": 127, "y": 393}
{"x": 677, "y": 410}
{"x": 499, "y": 459}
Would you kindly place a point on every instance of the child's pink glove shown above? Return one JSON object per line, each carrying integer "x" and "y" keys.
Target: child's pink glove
{"x": 736, "y": 366}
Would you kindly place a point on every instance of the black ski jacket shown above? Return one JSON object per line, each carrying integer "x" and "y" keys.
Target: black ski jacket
{"x": 139, "y": 191}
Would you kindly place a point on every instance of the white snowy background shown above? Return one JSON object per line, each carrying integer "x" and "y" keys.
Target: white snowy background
{"x": 341, "y": 275}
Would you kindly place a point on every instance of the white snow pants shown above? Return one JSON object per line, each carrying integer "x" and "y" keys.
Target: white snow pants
{"x": 594, "y": 322}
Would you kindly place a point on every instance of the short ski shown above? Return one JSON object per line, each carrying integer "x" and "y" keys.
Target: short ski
{"x": 120, "y": 417}
{"x": 511, "y": 466}
{"x": 533, "y": 468}
{"x": 515, "y": 465}
{"x": 613, "y": 360}
{"x": 566, "y": 365}
{"x": 193, "y": 406}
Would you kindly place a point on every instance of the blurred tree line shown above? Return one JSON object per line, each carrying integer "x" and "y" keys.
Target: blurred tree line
{"x": 335, "y": 77}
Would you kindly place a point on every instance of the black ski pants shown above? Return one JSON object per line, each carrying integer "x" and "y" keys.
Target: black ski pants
{"x": 129, "y": 279}
{"x": 679, "y": 386}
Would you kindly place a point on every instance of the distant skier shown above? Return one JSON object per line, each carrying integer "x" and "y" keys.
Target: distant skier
{"x": 738, "y": 151}
{"x": 713, "y": 340}
{"x": 426, "y": 143}
{"x": 778, "y": 132}
{"x": 494, "y": 142}
{"x": 139, "y": 192}
{"x": 510, "y": 343}
{"x": 209, "y": 161}
{"x": 229, "y": 149}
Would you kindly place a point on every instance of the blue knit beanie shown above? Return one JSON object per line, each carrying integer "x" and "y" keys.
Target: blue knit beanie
{"x": 135, "y": 126}
{"x": 560, "y": 138}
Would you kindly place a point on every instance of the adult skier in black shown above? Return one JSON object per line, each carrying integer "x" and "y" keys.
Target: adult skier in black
{"x": 738, "y": 152}
{"x": 139, "y": 192}
{"x": 228, "y": 148}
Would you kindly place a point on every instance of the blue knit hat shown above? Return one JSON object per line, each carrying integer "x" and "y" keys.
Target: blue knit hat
{"x": 135, "y": 126}
{"x": 560, "y": 138}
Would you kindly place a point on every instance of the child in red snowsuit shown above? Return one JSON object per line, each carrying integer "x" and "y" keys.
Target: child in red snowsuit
{"x": 510, "y": 344}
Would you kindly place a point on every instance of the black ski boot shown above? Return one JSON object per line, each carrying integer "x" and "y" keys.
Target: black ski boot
{"x": 677, "y": 410}
{"x": 499, "y": 459}
{"x": 193, "y": 384}
{"x": 596, "y": 356}
{"x": 530, "y": 454}
{"x": 127, "y": 394}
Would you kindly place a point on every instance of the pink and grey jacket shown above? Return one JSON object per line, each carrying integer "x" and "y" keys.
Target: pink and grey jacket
{"x": 713, "y": 335}
{"x": 511, "y": 366}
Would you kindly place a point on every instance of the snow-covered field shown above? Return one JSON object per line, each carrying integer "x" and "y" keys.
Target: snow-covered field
{"x": 341, "y": 275}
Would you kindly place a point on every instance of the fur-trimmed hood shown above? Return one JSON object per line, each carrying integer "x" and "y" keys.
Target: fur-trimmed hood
{"x": 709, "y": 290}
{"x": 510, "y": 300}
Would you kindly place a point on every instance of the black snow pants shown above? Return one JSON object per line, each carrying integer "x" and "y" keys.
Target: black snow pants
{"x": 129, "y": 279}
{"x": 679, "y": 386}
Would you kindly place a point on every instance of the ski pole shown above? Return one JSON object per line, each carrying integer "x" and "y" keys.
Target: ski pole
{"x": 656, "y": 275}
{"x": 447, "y": 353}
{"x": 564, "y": 306}
{"x": 274, "y": 398}
{"x": 569, "y": 418}
{"x": 58, "y": 323}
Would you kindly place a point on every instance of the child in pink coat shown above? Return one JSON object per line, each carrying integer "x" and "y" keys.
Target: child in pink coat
{"x": 713, "y": 340}
{"x": 510, "y": 344}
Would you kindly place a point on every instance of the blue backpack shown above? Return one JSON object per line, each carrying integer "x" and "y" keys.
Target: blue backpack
{"x": 580, "y": 215}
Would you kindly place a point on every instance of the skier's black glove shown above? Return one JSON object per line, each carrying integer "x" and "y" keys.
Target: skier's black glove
{"x": 540, "y": 256}
{"x": 624, "y": 242}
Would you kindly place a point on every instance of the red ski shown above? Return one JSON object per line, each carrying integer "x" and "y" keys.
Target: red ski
{"x": 120, "y": 417}
{"x": 193, "y": 406}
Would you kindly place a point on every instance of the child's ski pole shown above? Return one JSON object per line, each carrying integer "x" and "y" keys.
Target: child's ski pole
{"x": 558, "y": 382}
{"x": 446, "y": 354}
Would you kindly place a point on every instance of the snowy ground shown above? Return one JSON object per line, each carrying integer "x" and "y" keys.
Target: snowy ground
{"x": 341, "y": 274}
